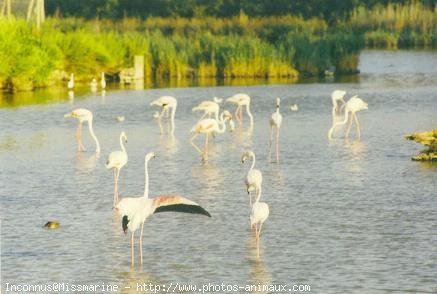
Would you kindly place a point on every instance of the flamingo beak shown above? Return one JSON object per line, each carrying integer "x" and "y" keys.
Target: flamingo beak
{"x": 124, "y": 223}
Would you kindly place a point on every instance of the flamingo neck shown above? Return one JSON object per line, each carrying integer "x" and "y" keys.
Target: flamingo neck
{"x": 222, "y": 124}
{"x": 90, "y": 127}
{"x": 121, "y": 144}
{"x": 146, "y": 180}
{"x": 173, "y": 111}
{"x": 249, "y": 114}
{"x": 258, "y": 196}
{"x": 253, "y": 162}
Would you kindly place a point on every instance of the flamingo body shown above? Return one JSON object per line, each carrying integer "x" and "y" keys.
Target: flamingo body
{"x": 83, "y": 115}
{"x": 116, "y": 161}
{"x": 166, "y": 103}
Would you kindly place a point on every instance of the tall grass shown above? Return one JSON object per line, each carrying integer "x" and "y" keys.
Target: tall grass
{"x": 202, "y": 48}
{"x": 397, "y": 25}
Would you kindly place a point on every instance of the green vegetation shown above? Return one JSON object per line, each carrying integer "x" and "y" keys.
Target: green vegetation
{"x": 205, "y": 47}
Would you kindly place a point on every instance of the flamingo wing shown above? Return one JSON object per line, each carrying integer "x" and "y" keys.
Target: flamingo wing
{"x": 178, "y": 204}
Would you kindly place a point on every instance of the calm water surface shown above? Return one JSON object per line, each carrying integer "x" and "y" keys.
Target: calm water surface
{"x": 352, "y": 216}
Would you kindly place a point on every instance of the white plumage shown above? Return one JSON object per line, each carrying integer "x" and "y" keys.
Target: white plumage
{"x": 70, "y": 84}
{"x": 116, "y": 160}
{"x": 135, "y": 210}
{"x": 352, "y": 106}
{"x": 166, "y": 103}
{"x": 259, "y": 214}
{"x": 254, "y": 176}
{"x": 209, "y": 126}
{"x": 275, "y": 122}
{"x": 209, "y": 108}
{"x": 241, "y": 100}
{"x": 83, "y": 115}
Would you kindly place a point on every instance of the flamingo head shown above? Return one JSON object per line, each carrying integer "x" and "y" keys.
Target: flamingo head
{"x": 123, "y": 136}
{"x": 226, "y": 115}
{"x": 246, "y": 155}
{"x": 278, "y": 101}
{"x": 149, "y": 156}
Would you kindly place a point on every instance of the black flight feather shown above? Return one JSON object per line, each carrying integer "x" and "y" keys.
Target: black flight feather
{"x": 187, "y": 208}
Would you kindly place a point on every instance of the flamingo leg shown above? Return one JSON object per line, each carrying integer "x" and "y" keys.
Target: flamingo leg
{"x": 270, "y": 142}
{"x": 115, "y": 189}
{"x": 250, "y": 198}
{"x": 205, "y": 152}
{"x": 132, "y": 249}
{"x": 241, "y": 113}
{"x": 116, "y": 185}
{"x": 358, "y": 125}
{"x": 194, "y": 145}
{"x": 349, "y": 125}
{"x": 79, "y": 138}
{"x": 277, "y": 144}
{"x": 141, "y": 244}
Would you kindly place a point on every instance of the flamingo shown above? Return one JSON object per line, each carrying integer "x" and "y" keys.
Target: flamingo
{"x": 103, "y": 81}
{"x": 254, "y": 176}
{"x": 294, "y": 107}
{"x": 209, "y": 108}
{"x": 337, "y": 96}
{"x": 116, "y": 160}
{"x": 83, "y": 115}
{"x": 275, "y": 122}
{"x": 93, "y": 86}
{"x": 166, "y": 102}
{"x": 258, "y": 215}
{"x": 352, "y": 106}
{"x": 241, "y": 100}
{"x": 70, "y": 84}
{"x": 135, "y": 210}
{"x": 209, "y": 126}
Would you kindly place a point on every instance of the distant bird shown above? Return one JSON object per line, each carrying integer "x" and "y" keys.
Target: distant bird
{"x": 70, "y": 84}
{"x": 167, "y": 102}
{"x": 134, "y": 211}
{"x": 337, "y": 96}
{"x": 116, "y": 160}
{"x": 294, "y": 107}
{"x": 254, "y": 176}
{"x": 120, "y": 118}
{"x": 275, "y": 122}
{"x": 93, "y": 86}
{"x": 103, "y": 81}
{"x": 209, "y": 126}
{"x": 352, "y": 106}
{"x": 209, "y": 108}
{"x": 241, "y": 100}
{"x": 260, "y": 213}
{"x": 83, "y": 115}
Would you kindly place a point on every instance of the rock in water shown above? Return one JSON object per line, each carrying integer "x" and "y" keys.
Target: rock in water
{"x": 52, "y": 225}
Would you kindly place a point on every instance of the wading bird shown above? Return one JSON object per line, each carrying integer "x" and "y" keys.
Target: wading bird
{"x": 103, "y": 81}
{"x": 116, "y": 160}
{"x": 83, "y": 115}
{"x": 70, "y": 84}
{"x": 93, "y": 86}
{"x": 135, "y": 210}
{"x": 254, "y": 176}
{"x": 275, "y": 122}
{"x": 209, "y": 108}
{"x": 241, "y": 100}
{"x": 166, "y": 102}
{"x": 352, "y": 106}
{"x": 294, "y": 107}
{"x": 337, "y": 96}
{"x": 259, "y": 214}
{"x": 209, "y": 126}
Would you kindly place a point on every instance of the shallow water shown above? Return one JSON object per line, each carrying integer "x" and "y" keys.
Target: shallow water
{"x": 345, "y": 216}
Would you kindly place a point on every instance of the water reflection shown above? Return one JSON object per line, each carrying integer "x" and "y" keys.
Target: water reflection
{"x": 71, "y": 96}
{"x": 259, "y": 275}
{"x": 85, "y": 163}
{"x": 356, "y": 151}
{"x": 242, "y": 138}
{"x": 169, "y": 144}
